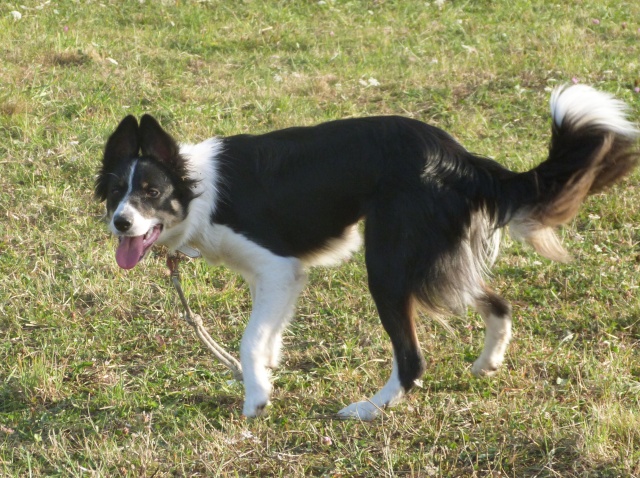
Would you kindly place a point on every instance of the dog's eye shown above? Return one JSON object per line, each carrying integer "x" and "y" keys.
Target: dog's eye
{"x": 115, "y": 191}
{"x": 153, "y": 193}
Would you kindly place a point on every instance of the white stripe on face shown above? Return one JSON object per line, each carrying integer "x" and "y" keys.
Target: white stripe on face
{"x": 139, "y": 224}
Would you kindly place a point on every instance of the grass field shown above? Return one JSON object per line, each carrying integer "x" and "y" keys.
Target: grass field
{"x": 100, "y": 376}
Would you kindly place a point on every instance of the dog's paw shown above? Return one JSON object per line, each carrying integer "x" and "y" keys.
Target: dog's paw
{"x": 364, "y": 410}
{"x": 484, "y": 368}
{"x": 253, "y": 410}
{"x": 255, "y": 403}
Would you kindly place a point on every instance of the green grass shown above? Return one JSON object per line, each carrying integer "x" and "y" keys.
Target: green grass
{"x": 101, "y": 377}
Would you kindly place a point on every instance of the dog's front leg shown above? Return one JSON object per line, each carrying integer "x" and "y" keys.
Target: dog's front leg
{"x": 274, "y": 292}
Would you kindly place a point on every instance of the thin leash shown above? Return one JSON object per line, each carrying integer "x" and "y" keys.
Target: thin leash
{"x": 228, "y": 360}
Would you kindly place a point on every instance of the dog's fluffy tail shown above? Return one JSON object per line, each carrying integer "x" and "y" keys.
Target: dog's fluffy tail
{"x": 592, "y": 147}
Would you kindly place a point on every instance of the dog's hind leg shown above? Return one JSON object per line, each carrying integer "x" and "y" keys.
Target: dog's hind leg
{"x": 496, "y": 313}
{"x": 391, "y": 290}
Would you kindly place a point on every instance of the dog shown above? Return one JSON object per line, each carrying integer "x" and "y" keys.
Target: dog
{"x": 271, "y": 206}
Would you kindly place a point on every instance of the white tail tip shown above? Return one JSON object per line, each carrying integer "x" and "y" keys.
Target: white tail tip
{"x": 581, "y": 106}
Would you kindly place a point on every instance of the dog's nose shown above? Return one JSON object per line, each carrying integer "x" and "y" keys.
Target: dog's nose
{"x": 122, "y": 224}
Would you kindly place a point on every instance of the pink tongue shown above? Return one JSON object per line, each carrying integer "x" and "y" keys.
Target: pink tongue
{"x": 129, "y": 251}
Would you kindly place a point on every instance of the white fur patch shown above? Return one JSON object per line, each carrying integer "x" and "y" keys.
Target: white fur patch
{"x": 582, "y": 106}
{"x": 201, "y": 164}
{"x": 336, "y": 250}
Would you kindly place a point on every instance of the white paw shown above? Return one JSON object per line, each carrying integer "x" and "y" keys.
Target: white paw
{"x": 365, "y": 411}
{"x": 256, "y": 399}
{"x": 484, "y": 368}
{"x": 253, "y": 408}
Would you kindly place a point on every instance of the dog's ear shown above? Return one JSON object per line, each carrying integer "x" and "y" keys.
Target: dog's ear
{"x": 156, "y": 142}
{"x": 159, "y": 145}
{"x": 122, "y": 144}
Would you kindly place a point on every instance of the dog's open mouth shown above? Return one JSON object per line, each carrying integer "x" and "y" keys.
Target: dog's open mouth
{"x": 131, "y": 250}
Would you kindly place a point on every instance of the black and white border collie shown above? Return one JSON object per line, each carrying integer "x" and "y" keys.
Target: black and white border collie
{"x": 270, "y": 206}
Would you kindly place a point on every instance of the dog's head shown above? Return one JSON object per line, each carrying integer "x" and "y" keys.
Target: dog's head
{"x": 146, "y": 185}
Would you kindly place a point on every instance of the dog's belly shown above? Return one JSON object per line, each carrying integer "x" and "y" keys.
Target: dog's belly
{"x": 336, "y": 250}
